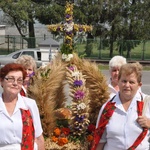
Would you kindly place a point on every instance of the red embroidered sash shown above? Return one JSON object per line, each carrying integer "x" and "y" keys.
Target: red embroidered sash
{"x": 106, "y": 114}
{"x": 145, "y": 130}
{"x": 22, "y": 93}
{"x": 27, "y": 131}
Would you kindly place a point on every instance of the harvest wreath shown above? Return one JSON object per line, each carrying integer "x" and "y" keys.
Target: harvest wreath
{"x": 69, "y": 96}
{"x": 69, "y": 92}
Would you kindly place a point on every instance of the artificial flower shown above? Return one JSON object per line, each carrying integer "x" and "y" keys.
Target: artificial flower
{"x": 66, "y": 131}
{"x": 57, "y": 131}
{"x": 81, "y": 106}
{"x": 71, "y": 68}
{"x": 75, "y": 74}
{"x": 32, "y": 74}
{"x": 54, "y": 138}
{"x": 79, "y": 95}
{"x": 79, "y": 118}
{"x": 64, "y": 56}
{"x": 67, "y": 57}
{"x": 62, "y": 141}
{"x": 91, "y": 128}
{"x": 89, "y": 138}
{"x": 78, "y": 82}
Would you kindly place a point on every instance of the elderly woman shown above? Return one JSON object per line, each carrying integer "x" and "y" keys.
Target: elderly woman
{"x": 29, "y": 64}
{"x": 20, "y": 125}
{"x": 121, "y": 124}
{"x": 114, "y": 66}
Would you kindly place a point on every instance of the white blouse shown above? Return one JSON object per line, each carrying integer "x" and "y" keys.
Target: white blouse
{"x": 123, "y": 129}
{"x": 11, "y": 126}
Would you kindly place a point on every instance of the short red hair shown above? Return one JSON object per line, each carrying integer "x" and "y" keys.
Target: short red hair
{"x": 12, "y": 67}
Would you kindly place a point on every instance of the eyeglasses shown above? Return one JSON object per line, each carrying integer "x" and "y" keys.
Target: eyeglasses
{"x": 12, "y": 80}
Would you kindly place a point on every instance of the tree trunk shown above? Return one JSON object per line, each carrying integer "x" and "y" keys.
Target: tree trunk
{"x": 31, "y": 40}
{"x": 89, "y": 46}
{"x": 111, "y": 41}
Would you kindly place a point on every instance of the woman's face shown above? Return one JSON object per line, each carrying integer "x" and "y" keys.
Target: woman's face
{"x": 114, "y": 74}
{"x": 12, "y": 82}
{"x": 29, "y": 70}
{"x": 128, "y": 86}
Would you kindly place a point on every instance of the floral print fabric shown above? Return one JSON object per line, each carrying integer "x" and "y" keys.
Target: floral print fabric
{"x": 106, "y": 114}
{"x": 27, "y": 131}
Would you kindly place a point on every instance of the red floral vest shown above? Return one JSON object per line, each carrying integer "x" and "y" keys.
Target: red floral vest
{"x": 27, "y": 131}
{"x": 106, "y": 114}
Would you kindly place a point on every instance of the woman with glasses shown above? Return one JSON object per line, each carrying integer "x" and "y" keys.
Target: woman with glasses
{"x": 20, "y": 125}
{"x": 29, "y": 64}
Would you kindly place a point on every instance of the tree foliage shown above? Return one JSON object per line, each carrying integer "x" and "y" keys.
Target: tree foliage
{"x": 112, "y": 20}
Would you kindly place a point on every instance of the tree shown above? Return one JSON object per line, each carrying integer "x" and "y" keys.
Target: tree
{"x": 21, "y": 13}
{"x": 125, "y": 24}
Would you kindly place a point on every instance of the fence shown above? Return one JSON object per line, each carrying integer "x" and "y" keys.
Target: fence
{"x": 93, "y": 49}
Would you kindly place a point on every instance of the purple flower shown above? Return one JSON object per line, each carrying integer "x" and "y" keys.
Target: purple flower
{"x": 69, "y": 33}
{"x": 79, "y": 95}
{"x": 78, "y": 82}
{"x": 80, "y": 118}
{"x": 58, "y": 29}
{"x": 68, "y": 16}
{"x": 32, "y": 74}
{"x": 80, "y": 29}
{"x": 71, "y": 68}
{"x": 69, "y": 21}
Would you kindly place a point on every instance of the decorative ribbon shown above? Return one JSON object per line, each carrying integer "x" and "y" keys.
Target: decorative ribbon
{"x": 22, "y": 93}
{"x": 144, "y": 132}
{"x": 27, "y": 131}
{"x": 106, "y": 114}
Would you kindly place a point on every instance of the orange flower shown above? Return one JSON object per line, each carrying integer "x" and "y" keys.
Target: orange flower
{"x": 54, "y": 139}
{"x": 89, "y": 138}
{"x": 57, "y": 131}
{"x": 66, "y": 131}
{"x": 62, "y": 141}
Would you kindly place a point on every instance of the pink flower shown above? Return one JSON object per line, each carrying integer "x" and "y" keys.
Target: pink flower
{"x": 79, "y": 95}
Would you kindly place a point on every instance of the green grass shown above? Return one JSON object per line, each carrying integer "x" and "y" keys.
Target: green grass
{"x": 137, "y": 53}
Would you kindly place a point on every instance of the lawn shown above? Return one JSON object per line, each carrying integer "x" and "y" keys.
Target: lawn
{"x": 140, "y": 52}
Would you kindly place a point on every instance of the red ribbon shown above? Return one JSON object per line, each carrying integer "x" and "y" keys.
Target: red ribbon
{"x": 27, "y": 131}
{"x": 106, "y": 114}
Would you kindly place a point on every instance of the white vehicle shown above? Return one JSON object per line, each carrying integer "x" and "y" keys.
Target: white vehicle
{"x": 35, "y": 53}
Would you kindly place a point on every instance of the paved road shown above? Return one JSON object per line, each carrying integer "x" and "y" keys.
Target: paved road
{"x": 145, "y": 81}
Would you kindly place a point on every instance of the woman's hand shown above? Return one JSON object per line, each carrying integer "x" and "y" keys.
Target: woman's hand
{"x": 40, "y": 142}
{"x": 143, "y": 121}
{"x": 100, "y": 146}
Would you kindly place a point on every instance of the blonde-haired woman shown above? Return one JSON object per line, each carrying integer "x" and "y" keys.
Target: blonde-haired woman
{"x": 30, "y": 66}
{"x": 123, "y": 122}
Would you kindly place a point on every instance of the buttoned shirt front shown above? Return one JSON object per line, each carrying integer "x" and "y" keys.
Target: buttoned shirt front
{"x": 11, "y": 126}
{"x": 123, "y": 129}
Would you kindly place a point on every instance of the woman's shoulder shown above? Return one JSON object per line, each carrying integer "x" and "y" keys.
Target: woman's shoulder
{"x": 29, "y": 101}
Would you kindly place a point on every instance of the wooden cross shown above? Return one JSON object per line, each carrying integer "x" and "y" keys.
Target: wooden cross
{"x": 68, "y": 28}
